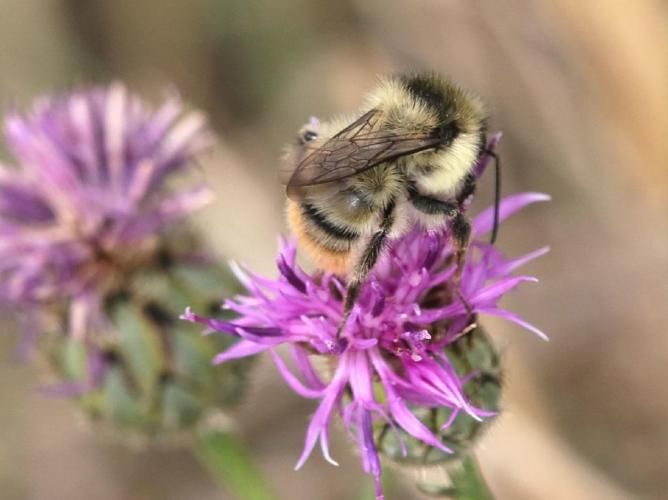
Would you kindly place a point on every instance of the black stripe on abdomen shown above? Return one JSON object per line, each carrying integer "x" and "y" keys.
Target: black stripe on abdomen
{"x": 320, "y": 220}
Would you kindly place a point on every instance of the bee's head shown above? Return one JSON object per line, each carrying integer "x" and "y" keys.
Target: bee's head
{"x": 308, "y": 132}
{"x": 296, "y": 151}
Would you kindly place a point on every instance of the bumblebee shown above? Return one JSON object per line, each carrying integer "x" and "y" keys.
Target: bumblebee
{"x": 406, "y": 158}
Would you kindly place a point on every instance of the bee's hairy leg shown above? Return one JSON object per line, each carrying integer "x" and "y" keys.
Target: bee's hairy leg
{"x": 461, "y": 235}
{"x": 467, "y": 189}
{"x": 366, "y": 263}
{"x": 460, "y": 227}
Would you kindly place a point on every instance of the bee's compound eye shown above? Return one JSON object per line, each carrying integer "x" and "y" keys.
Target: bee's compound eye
{"x": 309, "y": 135}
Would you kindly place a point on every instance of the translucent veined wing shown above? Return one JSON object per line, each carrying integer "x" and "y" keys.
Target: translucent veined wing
{"x": 358, "y": 147}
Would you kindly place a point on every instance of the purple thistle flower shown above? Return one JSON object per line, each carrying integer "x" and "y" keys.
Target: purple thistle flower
{"x": 391, "y": 355}
{"x": 97, "y": 267}
{"x": 88, "y": 197}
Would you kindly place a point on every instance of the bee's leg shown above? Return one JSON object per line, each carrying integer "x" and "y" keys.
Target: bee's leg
{"x": 467, "y": 189}
{"x": 366, "y": 263}
{"x": 461, "y": 232}
{"x": 460, "y": 226}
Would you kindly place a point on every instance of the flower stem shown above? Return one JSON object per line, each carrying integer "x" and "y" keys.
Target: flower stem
{"x": 466, "y": 483}
{"x": 228, "y": 460}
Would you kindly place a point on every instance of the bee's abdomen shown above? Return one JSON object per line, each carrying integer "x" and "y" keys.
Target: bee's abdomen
{"x": 320, "y": 221}
{"x": 327, "y": 244}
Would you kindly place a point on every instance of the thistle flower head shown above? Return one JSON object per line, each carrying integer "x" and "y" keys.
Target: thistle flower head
{"x": 392, "y": 358}
{"x": 87, "y": 198}
{"x": 90, "y": 254}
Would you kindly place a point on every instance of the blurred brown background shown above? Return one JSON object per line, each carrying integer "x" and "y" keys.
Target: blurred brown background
{"x": 580, "y": 89}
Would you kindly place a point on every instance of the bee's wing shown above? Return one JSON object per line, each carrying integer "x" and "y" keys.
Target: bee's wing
{"x": 356, "y": 148}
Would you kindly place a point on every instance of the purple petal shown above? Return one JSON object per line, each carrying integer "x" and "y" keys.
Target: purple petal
{"x": 369, "y": 451}
{"x": 433, "y": 249}
{"x": 360, "y": 378}
{"x": 412, "y": 425}
{"x": 290, "y": 275}
{"x": 502, "y": 313}
{"x": 214, "y": 324}
{"x": 320, "y": 420}
{"x": 494, "y": 291}
{"x": 324, "y": 447}
{"x": 363, "y": 344}
{"x": 451, "y": 418}
{"x": 250, "y": 332}
{"x": 484, "y": 222}
{"x": 241, "y": 349}
{"x": 306, "y": 368}
{"x": 509, "y": 266}
{"x": 292, "y": 381}
{"x": 19, "y": 204}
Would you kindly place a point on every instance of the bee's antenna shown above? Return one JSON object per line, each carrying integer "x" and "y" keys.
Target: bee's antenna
{"x": 497, "y": 194}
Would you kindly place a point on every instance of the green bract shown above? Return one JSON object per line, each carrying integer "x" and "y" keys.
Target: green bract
{"x": 472, "y": 355}
{"x": 157, "y": 374}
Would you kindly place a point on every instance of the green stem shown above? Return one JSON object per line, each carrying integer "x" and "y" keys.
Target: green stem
{"x": 228, "y": 460}
{"x": 467, "y": 483}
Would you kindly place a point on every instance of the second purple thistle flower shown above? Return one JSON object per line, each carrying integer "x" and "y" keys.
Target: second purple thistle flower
{"x": 97, "y": 259}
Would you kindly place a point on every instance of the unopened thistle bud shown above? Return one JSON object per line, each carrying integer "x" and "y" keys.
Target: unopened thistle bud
{"x": 95, "y": 257}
